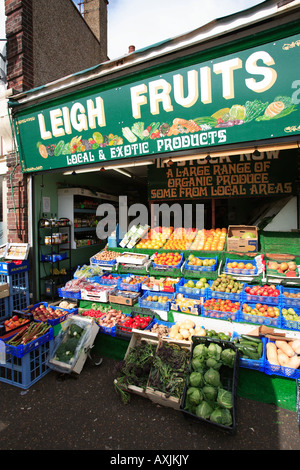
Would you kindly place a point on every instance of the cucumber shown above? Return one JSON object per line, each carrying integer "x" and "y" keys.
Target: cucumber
{"x": 248, "y": 343}
{"x": 59, "y": 148}
{"x": 249, "y": 353}
{"x": 251, "y": 338}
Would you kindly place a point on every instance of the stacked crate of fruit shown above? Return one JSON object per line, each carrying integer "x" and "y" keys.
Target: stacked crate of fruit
{"x": 224, "y": 298}
{"x": 261, "y": 305}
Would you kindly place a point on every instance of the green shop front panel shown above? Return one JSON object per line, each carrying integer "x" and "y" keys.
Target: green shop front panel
{"x": 245, "y": 96}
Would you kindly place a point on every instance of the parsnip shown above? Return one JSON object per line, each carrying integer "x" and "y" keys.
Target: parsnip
{"x": 285, "y": 347}
{"x": 272, "y": 355}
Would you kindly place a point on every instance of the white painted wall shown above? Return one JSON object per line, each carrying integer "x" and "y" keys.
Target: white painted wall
{"x": 286, "y": 219}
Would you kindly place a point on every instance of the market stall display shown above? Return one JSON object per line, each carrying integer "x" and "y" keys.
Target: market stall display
{"x": 179, "y": 300}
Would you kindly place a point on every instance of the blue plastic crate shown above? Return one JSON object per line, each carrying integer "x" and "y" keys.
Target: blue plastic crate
{"x": 290, "y": 324}
{"x": 125, "y": 332}
{"x": 67, "y": 294}
{"x": 262, "y": 298}
{"x": 290, "y": 301}
{"x": 5, "y": 309}
{"x": 123, "y": 285}
{"x": 162, "y": 322}
{"x": 177, "y": 266}
{"x": 195, "y": 309}
{"x": 18, "y": 289}
{"x": 237, "y": 270}
{"x": 13, "y": 267}
{"x": 188, "y": 267}
{"x": 54, "y": 257}
{"x": 107, "y": 282}
{"x": 254, "y": 364}
{"x": 155, "y": 305}
{"x": 22, "y": 349}
{"x": 288, "y": 372}
{"x": 192, "y": 292}
{"x": 101, "y": 262}
{"x": 25, "y": 371}
{"x": 219, "y": 315}
{"x": 112, "y": 331}
{"x": 260, "y": 319}
{"x": 234, "y": 297}
{"x": 54, "y": 321}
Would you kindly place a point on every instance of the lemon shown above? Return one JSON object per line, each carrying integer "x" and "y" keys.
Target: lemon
{"x": 220, "y": 113}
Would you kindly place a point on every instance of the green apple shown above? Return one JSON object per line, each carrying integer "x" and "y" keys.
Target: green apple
{"x": 199, "y": 285}
{"x": 190, "y": 284}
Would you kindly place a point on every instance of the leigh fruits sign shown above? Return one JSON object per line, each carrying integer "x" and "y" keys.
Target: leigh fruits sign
{"x": 249, "y": 95}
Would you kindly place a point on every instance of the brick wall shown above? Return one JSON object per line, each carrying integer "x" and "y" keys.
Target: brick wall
{"x": 31, "y": 61}
{"x": 19, "y": 34}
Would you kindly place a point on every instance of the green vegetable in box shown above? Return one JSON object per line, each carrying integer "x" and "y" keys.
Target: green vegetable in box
{"x": 204, "y": 410}
{"x": 194, "y": 396}
{"x": 211, "y": 363}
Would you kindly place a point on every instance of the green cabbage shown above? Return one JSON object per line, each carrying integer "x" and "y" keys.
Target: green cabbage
{"x": 196, "y": 379}
{"x": 212, "y": 377}
{"x": 200, "y": 350}
{"x": 214, "y": 350}
{"x": 194, "y": 396}
{"x": 224, "y": 398}
{"x": 209, "y": 393}
{"x": 197, "y": 363}
{"x": 213, "y": 363}
{"x": 228, "y": 357}
{"x": 204, "y": 410}
{"x": 221, "y": 416}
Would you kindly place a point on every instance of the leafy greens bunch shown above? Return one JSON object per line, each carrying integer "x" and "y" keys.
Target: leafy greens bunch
{"x": 170, "y": 367}
{"x": 67, "y": 348}
{"x": 134, "y": 369}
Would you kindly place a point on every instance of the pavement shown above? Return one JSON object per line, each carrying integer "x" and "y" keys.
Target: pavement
{"x": 84, "y": 413}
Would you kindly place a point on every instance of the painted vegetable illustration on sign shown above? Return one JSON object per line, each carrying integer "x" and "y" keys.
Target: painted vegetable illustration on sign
{"x": 236, "y": 115}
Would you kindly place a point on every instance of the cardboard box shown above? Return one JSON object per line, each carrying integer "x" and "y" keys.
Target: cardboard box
{"x": 123, "y": 297}
{"x": 76, "y": 365}
{"x": 235, "y": 242}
